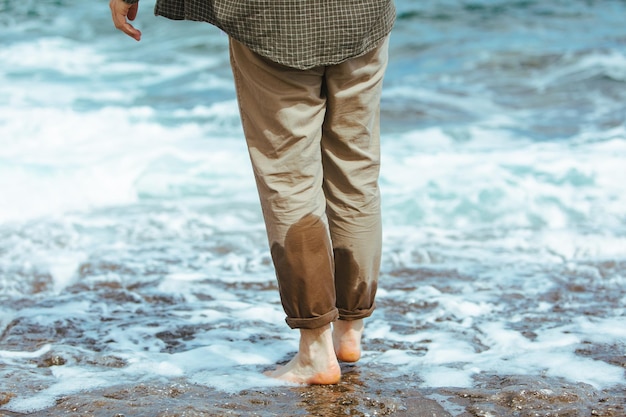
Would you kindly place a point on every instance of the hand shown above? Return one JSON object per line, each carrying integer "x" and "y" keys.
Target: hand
{"x": 119, "y": 12}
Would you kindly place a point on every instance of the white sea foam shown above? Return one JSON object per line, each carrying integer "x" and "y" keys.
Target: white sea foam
{"x": 540, "y": 186}
{"x": 80, "y": 161}
{"x": 5, "y": 354}
{"x": 452, "y": 362}
{"x": 601, "y": 63}
{"x": 52, "y": 54}
{"x": 67, "y": 380}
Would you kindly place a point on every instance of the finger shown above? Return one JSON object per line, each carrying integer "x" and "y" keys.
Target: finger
{"x": 131, "y": 31}
{"x": 132, "y": 12}
{"x": 119, "y": 12}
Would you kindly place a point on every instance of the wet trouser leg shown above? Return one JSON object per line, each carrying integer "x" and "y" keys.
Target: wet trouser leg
{"x": 313, "y": 138}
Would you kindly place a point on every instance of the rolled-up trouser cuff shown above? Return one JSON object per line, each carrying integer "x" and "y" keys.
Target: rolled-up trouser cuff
{"x": 356, "y": 315}
{"x": 313, "y": 322}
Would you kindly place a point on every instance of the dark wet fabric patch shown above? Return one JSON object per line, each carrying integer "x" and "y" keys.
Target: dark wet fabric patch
{"x": 304, "y": 267}
{"x": 355, "y": 293}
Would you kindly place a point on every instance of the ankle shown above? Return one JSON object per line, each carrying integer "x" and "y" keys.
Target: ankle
{"x": 316, "y": 342}
{"x": 347, "y": 339}
{"x": 348, "y": 327}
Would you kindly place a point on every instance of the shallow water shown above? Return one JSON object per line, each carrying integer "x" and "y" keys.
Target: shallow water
{"x": 134, "y": 271}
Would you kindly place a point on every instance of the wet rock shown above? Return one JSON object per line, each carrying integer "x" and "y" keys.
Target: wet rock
{"x": 51, "y": 359}
{"x": 603, "y": 352}
{"x": 107, "y": 361}
{"x": 354, "y": 396}
{"x": 5, "y": 397}
{"x": 527, "y": 396}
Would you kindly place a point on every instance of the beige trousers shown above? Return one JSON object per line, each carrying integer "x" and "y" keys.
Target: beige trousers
{"x": 314, "y": 142}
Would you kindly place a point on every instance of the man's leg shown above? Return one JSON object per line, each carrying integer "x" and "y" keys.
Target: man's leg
{"x": 282, "y": 111}
{"x": 351, "y": 160}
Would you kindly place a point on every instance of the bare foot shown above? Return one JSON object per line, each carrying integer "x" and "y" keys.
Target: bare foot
{"x": 347, "y": 339}
{"x": 315, "y": 363}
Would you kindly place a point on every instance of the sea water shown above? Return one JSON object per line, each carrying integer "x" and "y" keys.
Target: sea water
{"x": 132, "y": 247}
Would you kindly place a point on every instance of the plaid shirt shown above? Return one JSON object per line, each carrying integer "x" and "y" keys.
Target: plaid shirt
{"x": 297, "y": 33}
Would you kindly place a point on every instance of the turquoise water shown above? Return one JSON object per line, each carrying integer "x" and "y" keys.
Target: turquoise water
{"x": 131, "y": 240}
